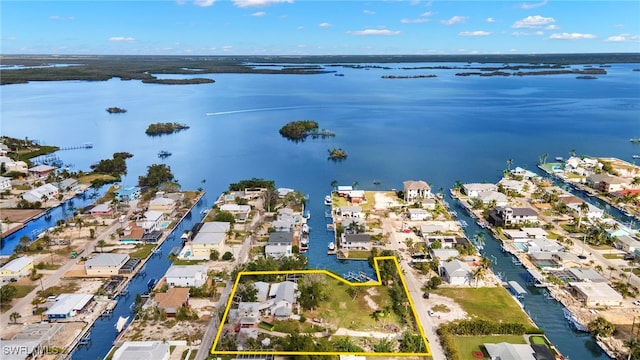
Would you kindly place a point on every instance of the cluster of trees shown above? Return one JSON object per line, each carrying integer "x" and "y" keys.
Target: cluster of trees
{"x": 337, "y": 154}
{"x": 298, "y": 130}
{"x": 253, "y": 183}
{"x": 600, "y": 327}
{"x": 157, "y": 174}
{"x": 165, "y": 128}
{"x": 115, "y": 166}
{"x": 312, "y": 291}
{"x": 296, "y": 262}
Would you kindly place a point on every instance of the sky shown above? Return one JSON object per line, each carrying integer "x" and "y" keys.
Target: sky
{"x": 320, "y": 27}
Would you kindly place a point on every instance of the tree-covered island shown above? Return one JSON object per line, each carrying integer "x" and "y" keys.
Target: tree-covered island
{"x": 165, "y": 128}
{"x": 116, "y": 110}
{"x": 336, "y": 154}
{"x": 301, "y": 129}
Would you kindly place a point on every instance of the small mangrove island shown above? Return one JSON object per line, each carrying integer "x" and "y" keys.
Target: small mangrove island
{"x": 336, "y": 154}
{"x": 165, "y": 128}
{"x": 301, "y": 129}
{"x": 116, "y": 110}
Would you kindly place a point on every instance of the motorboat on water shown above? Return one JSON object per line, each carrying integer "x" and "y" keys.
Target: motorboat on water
{"x": 332, "y": 246}
{"x": 327, "y": 200}
{"x": 121, "y": 322}
{"x": 305, "y": 228}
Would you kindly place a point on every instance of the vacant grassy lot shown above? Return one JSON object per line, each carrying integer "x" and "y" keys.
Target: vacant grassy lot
{"x": 23, "y": 290}
{"x": 493, "y": 304}
{"x": 142, "y": 252}
{"x": 87, "y": 179}
{"x": 466, "y": 345}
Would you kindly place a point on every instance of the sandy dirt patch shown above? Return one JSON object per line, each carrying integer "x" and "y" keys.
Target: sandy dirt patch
{"x": 455, "y": 311}
{"x": 372, "y": 304}
{"x": 385, "y": 200}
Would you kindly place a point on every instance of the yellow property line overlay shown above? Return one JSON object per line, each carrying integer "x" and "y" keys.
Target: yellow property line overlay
{"x": 369, "y": 283}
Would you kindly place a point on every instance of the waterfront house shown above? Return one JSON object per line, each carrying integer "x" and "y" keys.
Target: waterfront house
{"x": 66, "y": 306}
{"x": 101, "y": 209}
{"x": 517, "y": 235}
{"x": 41, "y": 171}
{"x": 33, "y": 340}
{"x": 172, "y": 300}
{"x": 444, "y": 254}
{"x": 456, "y": 272}
{"x": 416, "y": 190}
{"x": 354, "y": 225}
{"x": 592, "y": 212}
{"x": 130, "y": 193}
{"x": 543, "y": 245}
{"x": 473, "y": 189}
{"x": 186, "y": 275}
{"x": 143, "y": 350}
{"x": 585, "y": 274}
{"x": 494, "y": 198}
{"x": 46, "y": 191}
{"x": 351, "y": 211}
{"x": 203, "y": 243}
{"x": 240, "y": 212}
{"x": 356, "y": 196}
{"x": 607, "y": 183}
{"x": 628, "y": 244}
{"x": 14, "y": 166}
{"x": 429, "y": 203}
{"x": 151, "y": 220}
{"x": 4, "y": 149}
{"x": 16, "y": 269}
{"x": 355, "y": 242}
{"x": 105, "y": 264}
{"x": 434, "y": 228}
{"x": 512, "y": 185}
{"x": 510, "y": 216}
{"x": 282, "y": 192}
{"x": 507, "y": 351}
{"x": 419, "y": 214}
{"x": 163, "y": 204}
{"x": 282, "y": 297}
{"x": 524, "y": 173}
{"x": 446, "y": 241}
{"x": 247, "y": 315}
{"x": 594, "y": 294}
{"x": 280, "y": 244}
{"x": 344, "y": 190}
{"x": 534, "y": 232}
{"x": 554, "y": 260}
{"x": 5, "y": 183}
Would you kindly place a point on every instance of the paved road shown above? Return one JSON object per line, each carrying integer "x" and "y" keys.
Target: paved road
{"x": 414, "y": 286}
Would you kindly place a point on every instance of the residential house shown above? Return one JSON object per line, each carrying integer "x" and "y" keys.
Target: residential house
{"x": 280, "y": 244}
{"x": 415, "y": 190}
{"x": 203, "y": 244}
{"x": 524, "y": 173}
{"x": 186, "y": 275}
{"x": 512, "y": 185}
{"x": 163, "y": 205}
{"x": 507, "y": 351}
{"x": 607, "y": 183}
{"x": 543, "y": 245}
{"x": 247, "y": 314}
{"x": 586, "y": 274}
{"x": 67, "y": 306}
{"x": 143, "y": 350}
{"x": 446, "y": 241}
{"x": 101, "y": 209}
{"x": 510, "y": 216}
{"x": 41, "y": 171}
{"x": 46, "y": 191}
{"x": 595, "y": 294}
{"x": 444, "y": 254}
{"x": 240, "y": 212}
{"x": 130, "y": 193}
{"x": 472, "y": 190}
{"x": 282, "y": 298}
{"x": 554, "y": 260}
{"x": 419, "y": 214}
{"x": 5, "y": 183}
{"x": 16, "y": 269}
{"x": 436, "y": 228}
{"x": 104, "y": 264}
{"x": 151, "y": 220}
{"x": 534, "y": 232}
{"x": 14, "y": 166}
{"x": 355, "y": 242}
{"x": 628, "y": 244}
{"x": 456, "y": 272}
{"x": 263, "y": 290}
{"x": 344, "y": 190}
{"x": 354, "y": 225}
{"x": 592, "y": 212}
{"x": 69, "y": 184}
{"x": 357, "y": 196}
{"x": 172, "y": 300}
{"x": 285, "y": 220}
{"x": 4, "y": 149}
{"x": 351, "y": 211}
{"x": 493, "y": 198}
{"x": 517, "y": 235}
{"x": 282, "y": 192}
{"x": 429, "y": 203}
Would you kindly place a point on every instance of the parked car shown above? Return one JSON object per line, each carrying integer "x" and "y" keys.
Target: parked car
{"x": 425, "y": 295}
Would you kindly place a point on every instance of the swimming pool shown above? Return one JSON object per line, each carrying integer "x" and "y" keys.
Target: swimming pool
{"x": 521, "y": 247}
{"x": 165, "y": 224}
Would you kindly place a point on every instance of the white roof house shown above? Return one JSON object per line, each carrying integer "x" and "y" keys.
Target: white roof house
{"x": 215, "y": 227}
{"x": 507, "y": 351}
{"x": 543, "y": 245}
{"x": 17, "y": 264}
{"x": 186, "y": 275}
{"x": 68, "y": 305}
{"x": 151, "y": 220}
{"x": 488, "y": 197}
{"x": 473, "y": 189}
{"x": 46, "y": 190}
{"x": 534, "y": 233}
{"x": 5, "y": 183}
{"x": 209, "y": 238}
{"x": 456, "y": 272}
{"x": 419, "y": 214}
{"x": 596, "y": 293}
{"x": 105, "y": 264}
{"x": 142, "y": 350}
{"x": 444, "y": 254}
{"x": 513, "y": 185}
{"x": 351, "y": 211}
{"x": 235, "y": 208}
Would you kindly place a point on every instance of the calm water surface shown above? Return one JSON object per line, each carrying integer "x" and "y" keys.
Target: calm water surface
{"x": 439, "y": 129}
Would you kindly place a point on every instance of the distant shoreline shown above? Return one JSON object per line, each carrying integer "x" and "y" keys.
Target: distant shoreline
{"x": 105, "y": 67}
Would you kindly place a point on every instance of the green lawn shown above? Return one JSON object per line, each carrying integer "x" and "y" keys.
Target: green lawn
{"x": 87, "y": 179}
{"x": 611, "y": 256}
{"x": 358, "y": 254}
{"x": 538, "y": 340}
{"x": 23, "y": 290}
{"x": 466, "y": 345}
{"x": 494, "y": 304}
{"x": 294, "y": 326}
{"x": 142, "y": 252}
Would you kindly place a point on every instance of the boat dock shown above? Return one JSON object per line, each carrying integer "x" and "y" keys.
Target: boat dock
{"x": 357, "y": 277}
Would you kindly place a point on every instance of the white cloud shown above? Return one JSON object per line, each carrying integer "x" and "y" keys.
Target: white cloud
{"x": 227, "y": 48}
{"x": 491, "y": 20}
{"x": 527, "y": 6}
{"x": 259, "y": 13}
{"x": 571, "y": 36}
{"x": 324, "y": 25}
{"x": 369, "y": 12}
{"x": 121, "y": 39}
{"x": 61, "y": 18}
{"x": 533, "y": 22}
{"x": 414, "y": 21}
{"x": 375, "y": 32}
{"x": 474, "y": 33}
{"x": 623, "y": 38}
{"x": 455, "y": 20}
{"x": 428, "y": 13}
{"x": 10, "y": 38}
{"x": 552, "y": 27}
{"x": 524, "y": 33}
{"x": 204, "y": 3}
{"x": 258, "y": 3}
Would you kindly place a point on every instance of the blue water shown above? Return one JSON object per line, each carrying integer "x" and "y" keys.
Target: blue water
{"x": 440, "y": 130}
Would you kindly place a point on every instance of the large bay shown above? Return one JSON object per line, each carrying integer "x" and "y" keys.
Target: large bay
{"x": 438, "y": 129}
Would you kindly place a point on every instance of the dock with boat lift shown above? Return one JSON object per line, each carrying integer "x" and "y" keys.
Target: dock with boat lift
{"x": 359, "y": 277}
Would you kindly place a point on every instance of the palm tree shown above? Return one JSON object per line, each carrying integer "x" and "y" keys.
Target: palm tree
{"x": 355, "y": 185}
{"x": 101, "y": 245}
{"x": 584, "y": 207}
{"x": 572, "y": 152}
{"x": 79, "y": 224}
{"x": 543, "y": 158}
{"x": 334, "y": 185}
{"x": 610, "y": 268}
{"x": 479, "y": 274}
{"x": 509, "y": 163}
{"x": 14, "y": 316}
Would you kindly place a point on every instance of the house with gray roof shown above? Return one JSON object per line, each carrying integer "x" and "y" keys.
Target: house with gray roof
{"x": 104, "y": 264}
{"x": 186, "y": 275}
{"x": 456, "y": 272}
{"x": 355, "y": 242}
{"x": 143, "y": 350}
{"x": 415, "y": 190}
{"x": 507, "y": 351}
{"x": 283, "y": 296}
{"x": 279, "y": 244}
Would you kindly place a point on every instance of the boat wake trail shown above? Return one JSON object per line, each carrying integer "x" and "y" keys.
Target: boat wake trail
{"x": 255, "y": 110}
